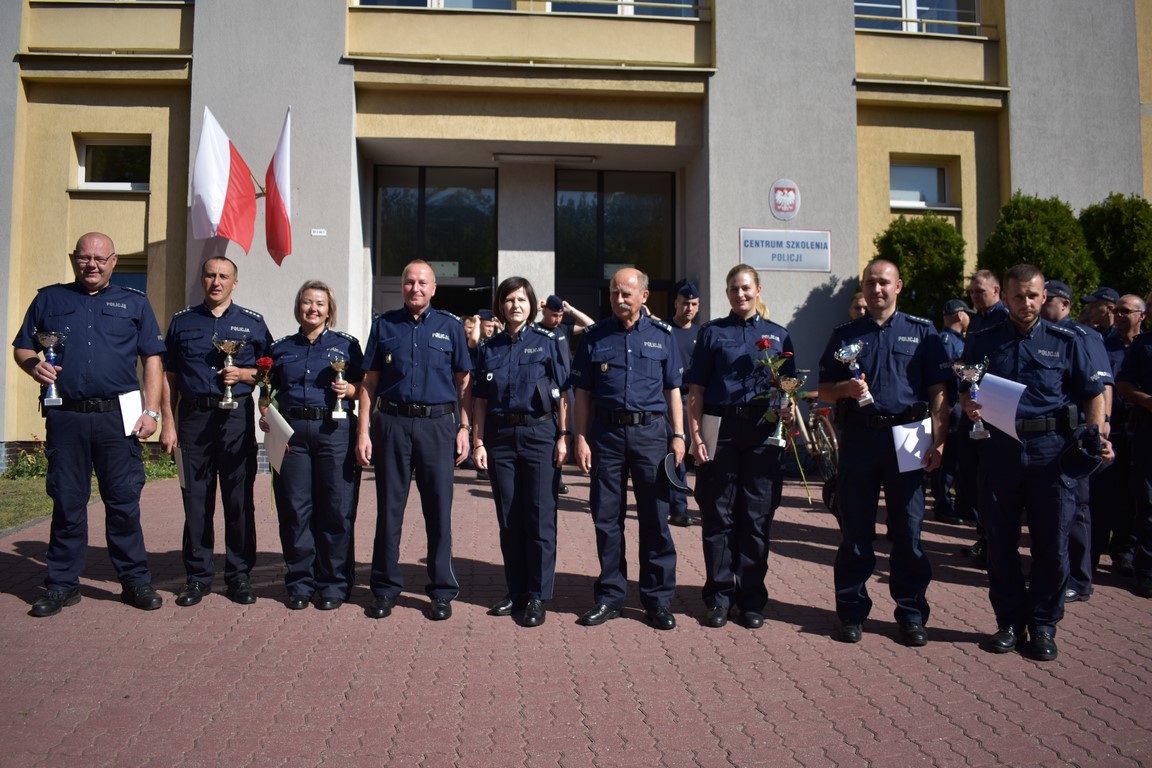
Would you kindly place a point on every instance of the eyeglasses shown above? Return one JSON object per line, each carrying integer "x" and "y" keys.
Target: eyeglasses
{"x": 99, "y": 261}
{"x": 1126, "y": 312}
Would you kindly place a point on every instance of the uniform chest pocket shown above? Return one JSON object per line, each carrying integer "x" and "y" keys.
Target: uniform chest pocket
{"x": 729, "y": 355}
{"x": 61, "y": 320}
{"x": 439, "y": 352}
{"x": 117, "y": 322}
{"x": 193, "y": 342}
{"x": 652, "y": 359}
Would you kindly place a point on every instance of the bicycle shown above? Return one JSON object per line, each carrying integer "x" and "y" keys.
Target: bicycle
{"x": 819, "y": 438}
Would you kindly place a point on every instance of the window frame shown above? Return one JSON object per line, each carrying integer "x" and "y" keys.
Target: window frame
{"x": 84, "y": 141}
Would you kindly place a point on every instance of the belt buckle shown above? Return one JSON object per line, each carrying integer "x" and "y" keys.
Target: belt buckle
{"x": 91, "y": 405}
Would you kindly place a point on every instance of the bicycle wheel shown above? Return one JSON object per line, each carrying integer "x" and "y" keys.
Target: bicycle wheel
{"x": 826, "y": 448}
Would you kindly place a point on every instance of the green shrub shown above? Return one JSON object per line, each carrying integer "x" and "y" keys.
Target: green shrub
{"x": 930, "y": 255}
{"x": 1118, "y": 233}
{"x": 28, "y": 462}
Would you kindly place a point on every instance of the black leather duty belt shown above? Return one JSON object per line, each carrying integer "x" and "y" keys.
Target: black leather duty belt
{"x": 91, "y": 405}
{"x": 628, "y": 418}
{"x": 308, "y": 414}
{"x": 208, "y": 402}
{"x": 749, "y": 412}
{"x": 516, "y": 419}
{"x": 881, "y": 421}
{"x": 415, "y": 410}
{"x": 1035, "y": 426}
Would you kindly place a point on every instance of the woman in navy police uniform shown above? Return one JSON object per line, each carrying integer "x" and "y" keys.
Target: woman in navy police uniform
{"x": 318, "y": 483}
{"x": 520, "y": 415}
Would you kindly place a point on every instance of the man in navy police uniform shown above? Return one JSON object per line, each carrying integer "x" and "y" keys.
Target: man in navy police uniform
{"x": 627, "y": 374}
{"x": 416, "y": 372}
{"x": 1024, "y": 474}
{"x": 905, "y": 368}
{"x": 684, "y": 331}
{"x": 217, "y": 445}
{"x": 108, "y": 327}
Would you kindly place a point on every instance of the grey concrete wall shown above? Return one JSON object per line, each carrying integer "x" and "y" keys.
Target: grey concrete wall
{"x": 782, "y": 104}
{"x": 526, "y": 230}
{"x": 9, "y": 89}
{"x": 1074, "y": 104}
{"x": 253, "y": 60}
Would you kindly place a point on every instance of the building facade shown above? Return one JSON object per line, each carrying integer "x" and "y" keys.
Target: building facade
{"x": 556, "y": 140}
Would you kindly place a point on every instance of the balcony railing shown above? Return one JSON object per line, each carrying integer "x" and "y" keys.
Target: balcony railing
{"x": 940, "y": 17}
{"x": 679, "y": 9}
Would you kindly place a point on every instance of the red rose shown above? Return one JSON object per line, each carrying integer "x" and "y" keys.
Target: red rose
{"x": 264, "y": 364}
{"x": 764, "y": 344}
{"x": 785, "y": 354}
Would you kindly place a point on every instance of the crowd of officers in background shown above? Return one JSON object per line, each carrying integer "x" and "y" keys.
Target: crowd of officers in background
{"x": 639, "y": 400}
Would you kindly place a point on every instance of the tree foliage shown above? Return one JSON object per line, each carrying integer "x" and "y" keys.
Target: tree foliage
{"x": 1118, "y": 233}
{"x": 930, "y": 255}
{"x": 1044, "y": 233}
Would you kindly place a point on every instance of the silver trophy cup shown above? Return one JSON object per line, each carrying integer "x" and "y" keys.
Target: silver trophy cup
{"x": 229, "y": 347}
{"x": 972, "y": 373}
{"x": 49, "y": 340}
{"x": 338, "y": 362}
{"x": 848, "y": 355}
{"x": 788, "y": 386}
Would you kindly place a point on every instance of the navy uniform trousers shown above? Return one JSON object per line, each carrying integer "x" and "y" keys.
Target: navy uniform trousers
{"x": 218, "y": 446}
{"x": 1142, "y": 484}
{"x": 403, "y": 446}
{"x": 316, "y": 490}
{"x": 76, "y": 443}
{"x": 523, "y": 477}
{"x": 1015, "y": 476}
{"x": 678, "y": 500}
{"x": 738, "y": 492}
{"x": 617, "y": 452}
{"x": 867, "y": 461}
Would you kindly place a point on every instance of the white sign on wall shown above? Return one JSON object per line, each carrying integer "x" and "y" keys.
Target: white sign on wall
{"x": 789, "y": 250}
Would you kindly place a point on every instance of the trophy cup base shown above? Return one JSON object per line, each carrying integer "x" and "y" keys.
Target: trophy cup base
{"x": 776, "y": 442}
{"x": 339, "y": 415}
{"x": 51, "y": 401}
{"x": 228, "y": 405}
{"x": 863, "y": 401}
{"x": 981, "y": 435}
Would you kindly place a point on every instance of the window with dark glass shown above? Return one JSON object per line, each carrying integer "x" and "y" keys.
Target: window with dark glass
{"x": 114, "y": 165}
{"x": 943, "y": 17}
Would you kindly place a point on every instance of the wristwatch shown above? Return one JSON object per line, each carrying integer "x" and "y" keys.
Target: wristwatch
{"x": 155, "y": 416}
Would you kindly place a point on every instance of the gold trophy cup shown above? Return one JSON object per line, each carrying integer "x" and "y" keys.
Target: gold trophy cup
{"x": 229, "y": 347}
{"x": 339, "y": 362}
{"x": 788, "y": 386}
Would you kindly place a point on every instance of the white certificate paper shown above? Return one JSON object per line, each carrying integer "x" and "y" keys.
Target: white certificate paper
{"x": 913, "y": 441}
{"x": 277, "y": 437}
{"x": 998, "y": 400}
{"x": 710, "y": 431}
{"x": 131, "y": 407}
{"x": 178, "y": 457}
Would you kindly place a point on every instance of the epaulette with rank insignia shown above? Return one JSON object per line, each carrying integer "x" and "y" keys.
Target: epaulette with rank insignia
{"x": 846, "y": 324}
{"x": 919, "y": 320}
{"x": 133, "y": 290}
{"x": 662, "y": 326}
{"x": 283, "y": 338}
{"x": 449, "y": 314}
{"x": 983, "y": 330}
{"x": 347, "y": 336}
{"x": 1062, "y": 330}
{"x": 542, "y": 331}
{"x": 251, "y": 313}
{"x": 182, "y": 312}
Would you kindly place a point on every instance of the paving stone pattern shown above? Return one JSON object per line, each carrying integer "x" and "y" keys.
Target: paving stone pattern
{"x": 218, "y": 684}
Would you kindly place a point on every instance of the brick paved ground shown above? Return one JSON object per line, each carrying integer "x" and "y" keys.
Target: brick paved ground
{"x": 223, "y": 685}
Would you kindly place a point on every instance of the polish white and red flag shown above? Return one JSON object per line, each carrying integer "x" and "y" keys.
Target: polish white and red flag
{"x": 278, "y": 196}
{"x": 223, "y": 196}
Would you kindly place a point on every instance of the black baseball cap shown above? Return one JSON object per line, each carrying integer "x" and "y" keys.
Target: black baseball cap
{"x": 954, "y": 306}
{"x": 1103, "y": 293}
{"x": 1058, "y": 289}
{"x": 554, "y": 303}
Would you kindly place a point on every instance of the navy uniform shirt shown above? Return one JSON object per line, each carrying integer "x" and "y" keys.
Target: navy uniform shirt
{"x": 1094, "y": 344}
{"x": 302, "y": 374}
{"x": 996, "y": 314}
{"x": 194, "y": 359}
{"x": 725, "y": 357}
{"x": 519, "y": 375}
{"x": 686, "y": 343}
{"x": 901, "y": 360}
{"x": 628, "y": 370}
{"x": 416, "y": 358}
{"x": 954, "y": 349}
{"x": 1137, "y": 366}
{"x": 107, "y": 332}
{"x": 1049, "y": 359}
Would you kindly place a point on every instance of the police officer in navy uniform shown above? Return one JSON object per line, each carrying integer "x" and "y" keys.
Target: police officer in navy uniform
{"x": 904, "y": 368}
{"x": 1134, "y": 384}
{"x": 317, "y": 485}
{"x": 416, "y": 369}
{"x": 739, "y": 487}
{"x": 686, "y": 305}
{"x": 1056, "y": 310}
{"x": 217, "y": 445}
{"x": 565, "y": 322}
{"x": 627, "y": 374}
{"x": 520, "y": 417}
{"x": 957, "y": 316}
{"x": 1025, "y": 475}
{"x": 108, "y": 327}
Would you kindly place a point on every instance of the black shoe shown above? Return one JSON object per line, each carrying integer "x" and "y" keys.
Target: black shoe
{"x": 142, "y": 596}
{"x": 1005, "y": 640}
{"x": 298, "y": 602}
{"x": 661, "y": 618}
{"x": 1144, "y": 586}
{"x": 850, "y": 633}
{"x": 481, "y": 474}
{"x": 1123, "y": 566}
{"x": 563, "y": 491}
{"x": 1073, "y": 596}
{"x": 329, "y": 603}
{"x": 913, "y": 635}
{"x": 440, "y": 609}
{"x": 240, "y": 591}
{"x": 948, "y": 518}
{"x": 192, "y": 593}
{"x": 508, "y": 606}
{"x": 681, "y": 520}
{"x": 978, "y": 554}
{"x": 749, "y": 619}
{"x": 534, "y": 613}
{"x": 381, "y": 607}
{"x": 598, "y": 615}
{"x": 1043, "y": 646}
{"x": 717, "y": 616}
{"x": 53, "y": 602}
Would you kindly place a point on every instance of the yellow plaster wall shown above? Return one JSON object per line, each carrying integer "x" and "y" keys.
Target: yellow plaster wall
{"x": 50, "y": 213}
{"x": 120, "y": 27}
{"x": 1144, "y": 59}
{"x": 967, "y": 143}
